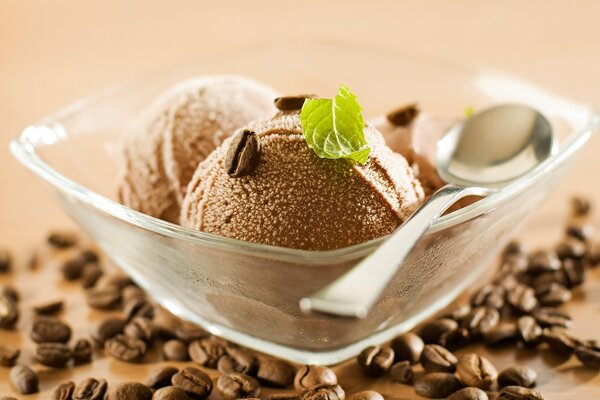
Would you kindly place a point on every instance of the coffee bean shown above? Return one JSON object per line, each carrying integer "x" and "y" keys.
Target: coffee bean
{"x": 481, "y": 320}
{"x": 62, "y": 239}
{"x": 589, "y": 356}
{"x": 72, "y": 267}
{"x": 189, "y": 332}
{"x": 195, "y": 383}
{"x": 129, "y": 391}
{"x": 581, "y": 206}
{"x": 547, "y": 278}
{"x": 402, "y": 372}
{"x": 404, "y": 115}
{"x": 132, "y": 293}
{"x": 514, "y": 248}
{"x": 518, "y": 375}
{"x": 552, "y": 294}
{"x": 513, "y": 265}
{"x": 9, "y": 313}
{"x": 125, "y": 348}
{"x": 5, "y": 261}
{"x": 509, "y": 281}
{"x": 435, "y": 358}
{"x": 505, "y": 332}
{"x": 90, "y": 275}
{"x": 238, "y": 359}
{"x": 489, "y": 296}
{"x": 90, "y": 389}
{"x": 476, "y": 371}
{"x": 237, "y": 386}
{"x": 292, "y": 103}
{"x": 55, "y": 355}
{"x": 273, "y": 372}
{"x": 437, "y": 385}
{"x": 592, "y": 256}
{"x": 571, "y": 248}
{"x": 243, "y": 155}
{"x": 455, "y": 339}
{"x": 309, "y": 376}
{"x": 107, "y": 298}
{"x": 50, "y": 329}
{"x": 33, "y": 261}
{"x": 519, "y": 393}
{"x": 10, "y": 292}
{"x": 140, "y": 328}
{"x": 522, "y": 298}
{"x": 559, "y": 342}
{"x": 573, "y": 273}
{"x": 324, "y": 392}
{"x": 376, "y": 360}
{"x": 49, "y": 308}
{"x": 175, "y": 350}
{"x": 459, "y": 313}
{"x": 161, "y": 377}
{"x": 8, "y": 355}
{"x": 165, "y": 324}
{"x": 170, "y": 393}
{"x": 431, "y": 331}
{"x": 548, "y": 317}
{"x": 529, "y": 330}
{"x": 108, "y": 329}
{"x": 82, "y": 352}
{"x": 469, "y": 393}
{"x": 207, "y": 351}
{"x": 542, "y": 261}
{"x": 138, "y": 308}
{"x": 580, "y": 231}
{"x": 117, "y": 280}
{"x": 407, "y": 347}
{"x": 90, "y": 255}
{"x": 64, "y": 391}
{"x": 366, "y": 395}
{"x": 24, "y": 380}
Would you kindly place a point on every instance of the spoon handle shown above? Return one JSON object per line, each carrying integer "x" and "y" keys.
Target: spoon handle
{"x": 353, "y": 294}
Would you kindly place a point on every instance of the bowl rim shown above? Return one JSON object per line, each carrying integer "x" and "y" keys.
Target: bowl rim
{"x": 23, "y": 148}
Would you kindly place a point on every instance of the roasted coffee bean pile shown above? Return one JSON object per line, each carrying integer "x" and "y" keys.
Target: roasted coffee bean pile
{"x": 521, "y": 306}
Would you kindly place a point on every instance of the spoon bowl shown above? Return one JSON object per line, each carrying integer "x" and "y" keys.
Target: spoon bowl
{"x": 495, "y": 146}
{"x": 475, "y": 157}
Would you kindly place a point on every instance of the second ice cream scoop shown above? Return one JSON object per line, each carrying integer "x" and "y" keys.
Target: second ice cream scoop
{"x": 477, "y": 157}
{"x": 179, "y": 130}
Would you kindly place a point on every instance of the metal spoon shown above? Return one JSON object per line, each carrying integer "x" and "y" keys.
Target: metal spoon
{"x": 476, "y": 157}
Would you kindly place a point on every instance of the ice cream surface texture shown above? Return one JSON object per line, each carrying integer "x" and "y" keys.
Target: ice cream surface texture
{"x": 295, "y": 199}
{"x": 184, "y": 126}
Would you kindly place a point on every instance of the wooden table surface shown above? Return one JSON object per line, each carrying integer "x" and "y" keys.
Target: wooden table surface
{"x": 54, "y": 52}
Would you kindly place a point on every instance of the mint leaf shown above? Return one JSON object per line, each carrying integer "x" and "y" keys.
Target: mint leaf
{"x": 469, "y": 111}
{"x": 334, "y": 128}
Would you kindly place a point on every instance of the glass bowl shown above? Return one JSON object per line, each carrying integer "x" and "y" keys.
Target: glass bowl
{"x": 249, "y": 293}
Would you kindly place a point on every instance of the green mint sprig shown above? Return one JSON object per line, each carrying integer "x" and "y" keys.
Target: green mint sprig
{"x": 334, "y": 128}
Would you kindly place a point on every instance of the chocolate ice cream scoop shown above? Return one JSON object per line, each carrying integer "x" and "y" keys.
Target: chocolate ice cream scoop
{"x": 180, "y": 130}
{"x": 290, "y": 197}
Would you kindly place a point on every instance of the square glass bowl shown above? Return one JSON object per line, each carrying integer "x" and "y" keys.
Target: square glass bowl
{"x": 249, "y": 293}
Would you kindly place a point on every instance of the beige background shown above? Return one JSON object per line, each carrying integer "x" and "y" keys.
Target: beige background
{"x": 52, "y": 52}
